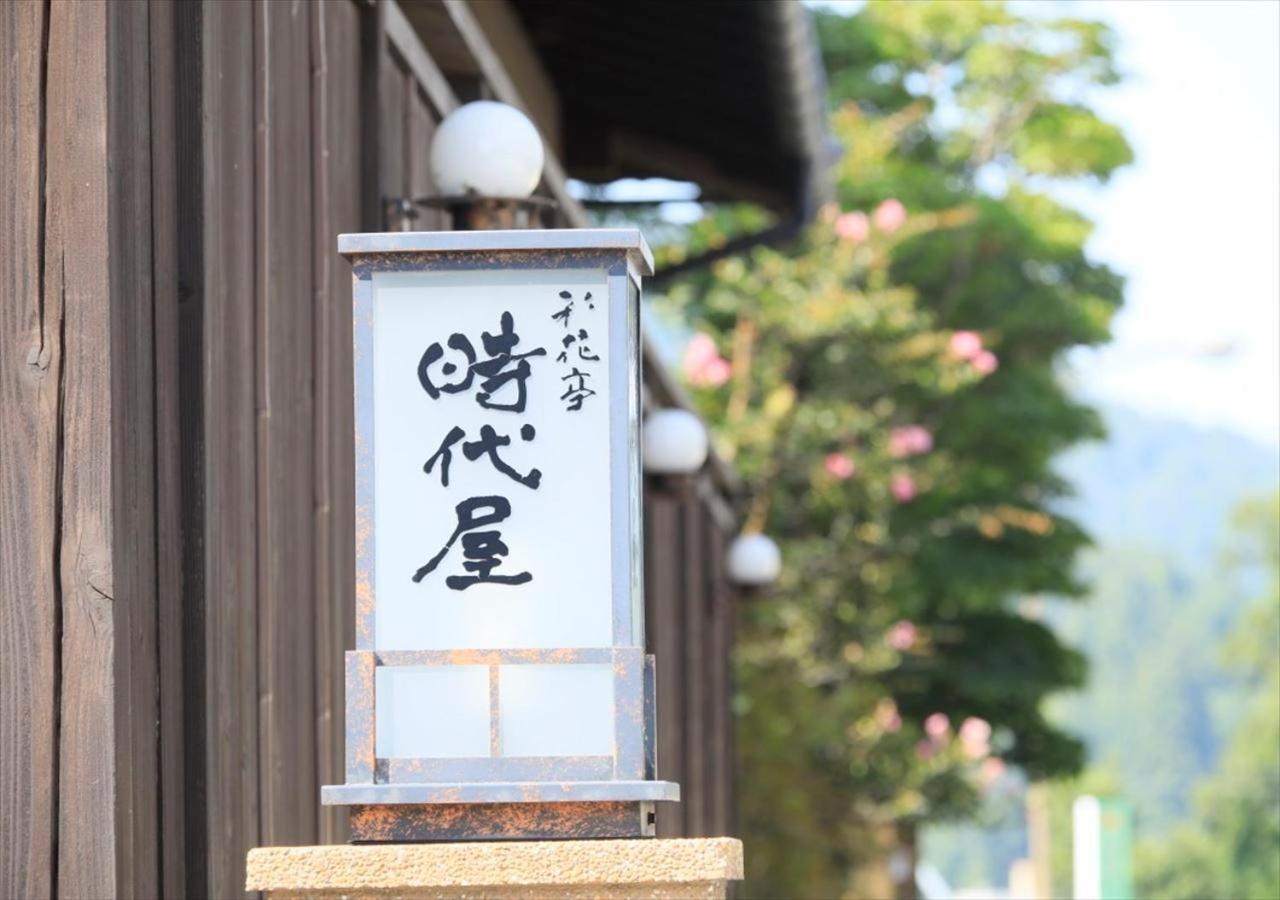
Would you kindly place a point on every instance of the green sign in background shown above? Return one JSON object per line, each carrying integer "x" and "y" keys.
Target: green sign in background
{"x": 1116, "y": 848}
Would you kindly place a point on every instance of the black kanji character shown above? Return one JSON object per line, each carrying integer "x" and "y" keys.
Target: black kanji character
{"x": 568, "y": 308}
{"x": 489, "y": 443}
{"x": 445, "y": 454}
{"x": 494, "y": 369}
{"x": 577, "y": 392}
{"x": 462, "y": 344}
{"x": 564, "y": 354}
{"x": 584, "y": 349}
{"x": 482, "y": 549}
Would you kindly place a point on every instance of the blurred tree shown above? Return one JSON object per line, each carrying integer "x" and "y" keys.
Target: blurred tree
{"x": 887, "y": 389}
{"x": 1232, "y": 846}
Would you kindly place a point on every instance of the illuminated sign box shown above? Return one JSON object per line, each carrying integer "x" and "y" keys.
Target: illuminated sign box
{"x": 499, "y": 687}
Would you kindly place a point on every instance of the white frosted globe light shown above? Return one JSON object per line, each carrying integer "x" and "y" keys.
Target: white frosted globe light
{"x": 486, "y": 148}
{"x": 675, "y": 442}
{"x": 754, "y": 559}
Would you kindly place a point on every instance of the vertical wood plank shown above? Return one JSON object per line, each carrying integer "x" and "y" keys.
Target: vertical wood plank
{"x": 76, "y": 273}
{"x": 373, "y": 59}
{"x": 720, "y": 747}
{"x": 323, "y": 538}
{"x": 662, "y": 584}
{"x": 30, "y": 372}
{"x": 168, "y": 444}
{"x": 284, "y": 300}
{"x": 694, "y": 647}
{"x": 132, "y": 499}
{"x": 421, "y": 127}
{"x": 392, "y": 130}
{"x": 336, "y": 171}
{"x": 230, "y": 632}
{"x": 190, "y": 306}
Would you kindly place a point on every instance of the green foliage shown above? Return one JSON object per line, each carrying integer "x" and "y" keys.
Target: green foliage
{"x": 1151, "y": 711}
{"x": 906, "y": 477}
{"x": 1231, "y": 848}
{"x": 1162, "y": 700}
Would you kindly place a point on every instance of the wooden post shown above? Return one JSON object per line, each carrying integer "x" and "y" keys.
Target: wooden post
{"x": 78, "y": 570}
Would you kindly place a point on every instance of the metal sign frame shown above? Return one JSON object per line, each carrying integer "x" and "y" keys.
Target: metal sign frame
{"x": 628, "y": 775}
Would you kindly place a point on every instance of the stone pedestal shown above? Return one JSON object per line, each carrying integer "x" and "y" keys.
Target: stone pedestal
{"x": 644, "y": 869}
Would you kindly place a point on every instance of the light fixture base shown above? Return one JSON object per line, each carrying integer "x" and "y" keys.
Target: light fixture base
{"x": 501, "y": 821}
{"x": 470, "y": 212}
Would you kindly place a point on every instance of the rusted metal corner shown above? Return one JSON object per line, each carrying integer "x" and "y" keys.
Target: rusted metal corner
{"x": 501, "y": 821}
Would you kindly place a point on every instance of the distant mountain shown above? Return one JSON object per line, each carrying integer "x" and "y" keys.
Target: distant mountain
{"x": 1158, "y": 705}
{"x": 1157, "y": 497}
{"x": 1165, "y": 485}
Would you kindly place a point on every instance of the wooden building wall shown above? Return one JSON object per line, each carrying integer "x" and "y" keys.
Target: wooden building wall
{"x": 689, "y": 615}
{"x": 176, "y": 550}
{"x": 79, "y": 481}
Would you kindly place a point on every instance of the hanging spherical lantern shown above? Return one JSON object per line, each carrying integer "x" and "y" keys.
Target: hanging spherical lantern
{"x": 674, "y": 442}
{"x": 488, "y": 149}
{"x": 754, "y": 560}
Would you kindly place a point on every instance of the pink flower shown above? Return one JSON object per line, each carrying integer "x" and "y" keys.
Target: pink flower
{"x": 936, "y": 726}
{"x": 902, "y": 636}
{"x": 992, "y": 768}
{"x": 903, "y": 488}
{"x": 975, "y": 737}
{"x": 910, "y": 440}
{"x": 985, "y": 363}
{"x": 840, "y": 466}
{"x": 853, "y": 227}
{"x": 887, "y": 716}
{"x": 700, "y": 350}
{"x": 966, "y": 344}
{"x": 889, "y": 216}
{"x": 703, "y": 364}
{"x": 716, "y": 372}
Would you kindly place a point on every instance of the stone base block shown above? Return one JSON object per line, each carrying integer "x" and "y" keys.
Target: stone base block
{"x": 648, "y": 869}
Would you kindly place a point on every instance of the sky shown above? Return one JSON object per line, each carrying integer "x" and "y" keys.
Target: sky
{"x": 1194, "y": 223}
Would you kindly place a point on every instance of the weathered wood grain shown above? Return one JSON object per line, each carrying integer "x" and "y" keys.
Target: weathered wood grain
{"x": 132, "y": 499}
{"x": 164, "y": 92}
{"x": 284, "y": 239}
{"x": 176, "y": 361}
{"x": 373, "y": 51}
{"x": 230, "y": 566}
{"x": 335, "y": 107}
{"x": 76, "y": 273}
{"x": 393, "y": 141}
{"x": 30, "y": 372}
{"x": 190, "y": 305}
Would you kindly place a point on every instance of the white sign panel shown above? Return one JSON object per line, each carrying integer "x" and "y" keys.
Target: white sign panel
{"x": 499, "y": 605}
{"x": 492, "y": 459}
